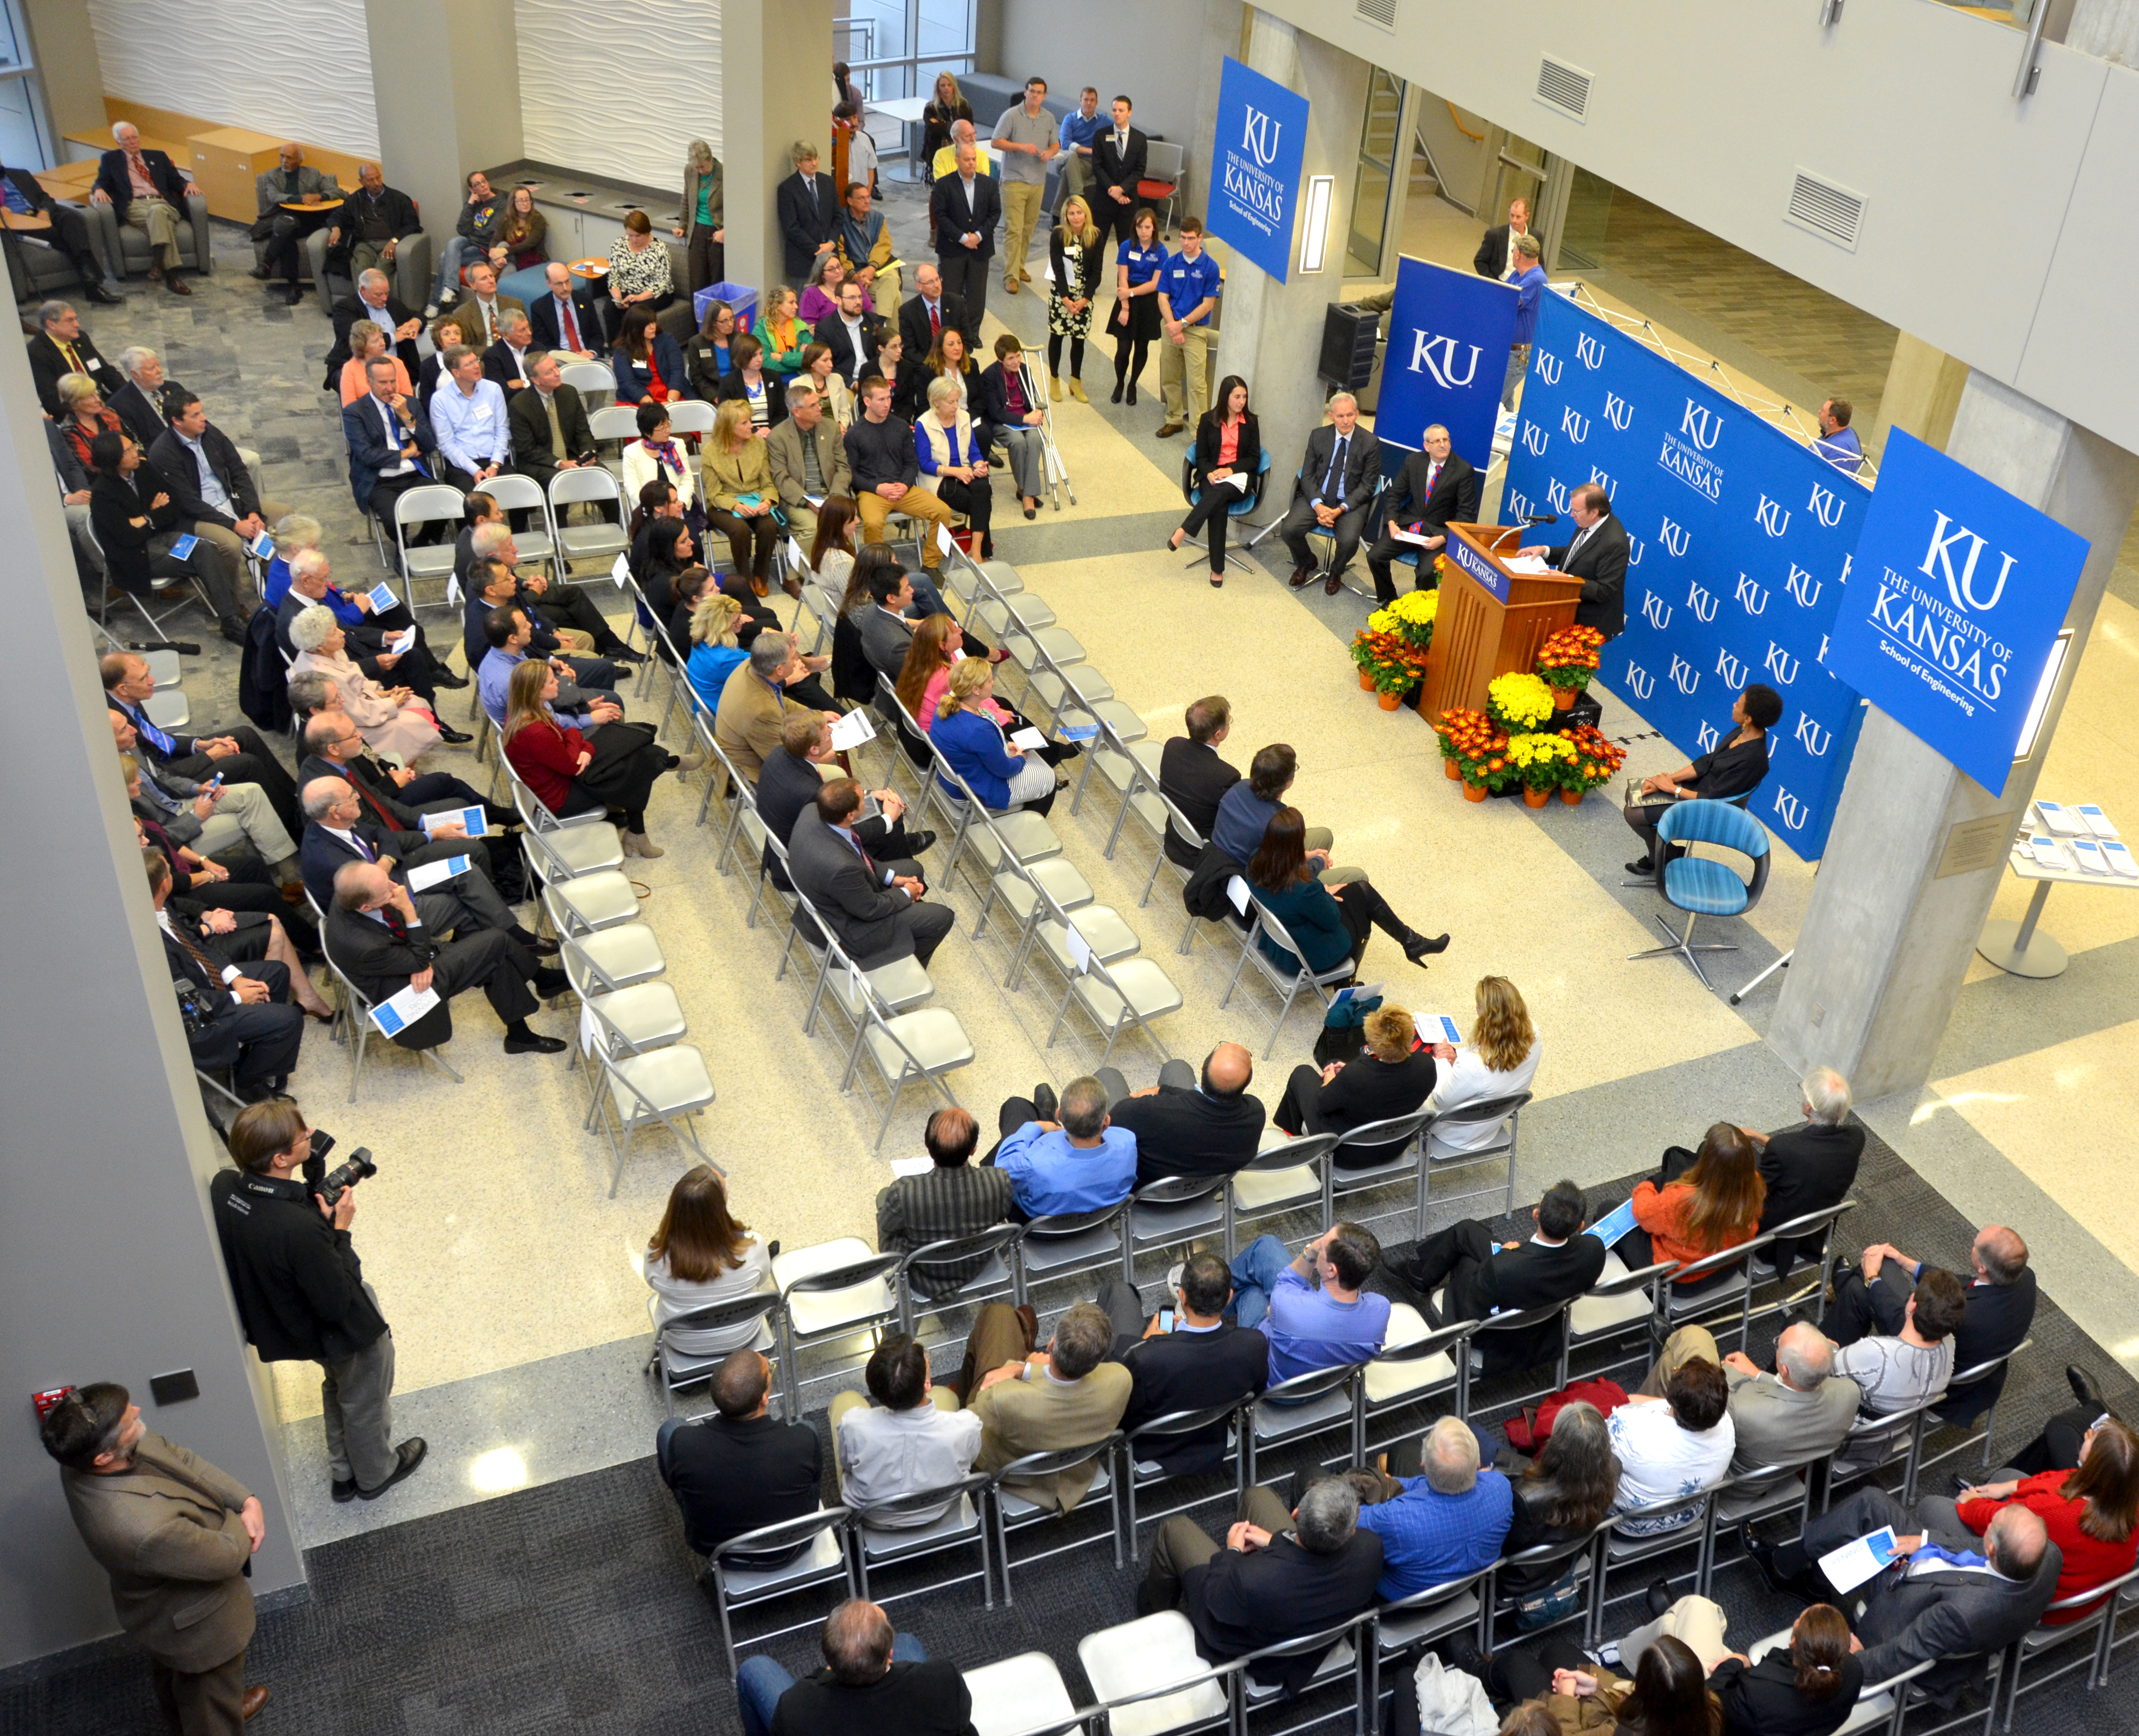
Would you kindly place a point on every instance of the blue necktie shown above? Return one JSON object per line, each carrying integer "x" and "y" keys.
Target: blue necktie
{"x": 1331, "y": 483}
{"x": 1956, "y": 1558}
{"x": 157, "y": 739}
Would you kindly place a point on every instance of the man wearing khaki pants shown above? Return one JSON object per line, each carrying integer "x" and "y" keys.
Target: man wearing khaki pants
{"x": 1026, "y": 142}
{"x": 1188, "y": 291}
{"x": 149, "y": 191}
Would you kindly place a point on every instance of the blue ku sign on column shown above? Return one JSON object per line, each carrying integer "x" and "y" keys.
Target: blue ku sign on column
{"x": 1261, "y": 141}
{"x": 1959, "y": 592}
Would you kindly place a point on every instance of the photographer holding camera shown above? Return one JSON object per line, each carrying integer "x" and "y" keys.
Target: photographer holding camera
{"x": 301, "y": 1291}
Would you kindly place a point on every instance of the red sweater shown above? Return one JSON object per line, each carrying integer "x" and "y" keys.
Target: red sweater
{"x": 547, "y": 758}
{"x": 2087, "y": 1560}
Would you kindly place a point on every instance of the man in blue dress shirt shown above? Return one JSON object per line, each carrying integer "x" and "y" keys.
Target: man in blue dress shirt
{"x": 1080, "y": 1163}
{"x": 1447, "y": 1522}
{"x": 1080, "y": 126}
{"x": 1837, "y": 442}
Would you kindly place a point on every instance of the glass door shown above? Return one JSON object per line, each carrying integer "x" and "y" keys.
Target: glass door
{"x": 1379, "y": 133}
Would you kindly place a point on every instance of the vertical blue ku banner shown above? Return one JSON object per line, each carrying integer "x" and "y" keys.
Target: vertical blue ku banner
{"x": 1261, "y": 141}
{"x": 1449, "y": 333}
{"x": 1739, "y": 545}
{"x": 1960, "y": 593}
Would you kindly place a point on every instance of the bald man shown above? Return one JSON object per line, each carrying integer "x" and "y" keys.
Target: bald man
{"x": 873, "y": 1680}
{"x": 1190, "y": 1125}
{"x": 1870, "y": 1297}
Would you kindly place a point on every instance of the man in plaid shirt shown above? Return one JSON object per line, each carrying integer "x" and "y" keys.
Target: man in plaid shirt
{"x": 953, "y": 1199}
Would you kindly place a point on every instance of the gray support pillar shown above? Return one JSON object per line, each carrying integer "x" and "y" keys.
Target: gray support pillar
{"x": 446, "y": 76}
{"x": 1918, "y": 848}
{"x": 1270, "y": 333}
{"x": 109, "y": 1268}
{"x": 775, "y": 61}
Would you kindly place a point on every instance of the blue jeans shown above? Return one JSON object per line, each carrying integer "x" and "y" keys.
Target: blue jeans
{"x": 457, "y": 252}
{"x": 662, "y": 1437}
{"x": 761, "y": 1682}
{"x": 1256, "y": 1269}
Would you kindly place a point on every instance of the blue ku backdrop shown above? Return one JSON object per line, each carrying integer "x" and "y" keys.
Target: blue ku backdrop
{"x": 1741, "y": 542}
{"x": 1447, "y": 359}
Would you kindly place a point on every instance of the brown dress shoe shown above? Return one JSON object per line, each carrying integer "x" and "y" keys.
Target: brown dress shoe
{"x": 255, "y": 1698}
{"x": 1332, "y": 585}
{"x": 1300, "y": 575}
{"x": 177, "y": 284}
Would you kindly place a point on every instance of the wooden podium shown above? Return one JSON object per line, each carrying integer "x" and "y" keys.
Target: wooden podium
{"x": 1491, "y": 620}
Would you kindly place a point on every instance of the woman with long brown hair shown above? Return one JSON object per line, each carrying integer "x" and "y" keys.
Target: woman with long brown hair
{"x": 554, "y": 760}
{"x": 1714, "y": 1204}
{"x": 522, "y": 232}
{"x": 1330, "y": 923}
{"x": 832, "y": 549}
{"x": 702, "y": 1254}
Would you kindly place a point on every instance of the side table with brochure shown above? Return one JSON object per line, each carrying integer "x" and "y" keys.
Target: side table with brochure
{"x": 2062, "y": 845}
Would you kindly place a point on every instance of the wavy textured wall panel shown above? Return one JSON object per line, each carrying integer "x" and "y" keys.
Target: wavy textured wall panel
{"x": 301, "y": 67}
{"x": 588, "y": 103}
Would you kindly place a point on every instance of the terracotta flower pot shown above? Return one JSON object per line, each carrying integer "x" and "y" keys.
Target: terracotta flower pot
{"x": 1573, "y": 798}
{"x": 1448, "y": 765}
{"x": 1366, "y": 681}
{"x": 1389, "y": 701}
{"x": 1563, "y": 698}
{"x": 1474, "y": 792}
{"x": 1535, "y": 797}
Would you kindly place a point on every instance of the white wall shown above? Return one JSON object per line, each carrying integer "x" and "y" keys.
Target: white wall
{"x": 587, "y": 103}
{"x": 300, "y": 68}
{"x": 1144, "y": 51}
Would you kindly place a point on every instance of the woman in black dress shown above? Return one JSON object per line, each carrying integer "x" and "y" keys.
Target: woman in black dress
{"x": 1735, "y": 767}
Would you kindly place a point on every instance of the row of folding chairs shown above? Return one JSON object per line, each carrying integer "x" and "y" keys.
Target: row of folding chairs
{"x": 555, "y": 540}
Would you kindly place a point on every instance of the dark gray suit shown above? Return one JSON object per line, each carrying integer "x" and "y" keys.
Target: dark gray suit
{"x": 885, "y": 639}
{"x": 875, "y": 921}
{"x": 1353, "y": 489}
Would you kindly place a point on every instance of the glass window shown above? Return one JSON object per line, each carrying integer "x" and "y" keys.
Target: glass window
{"x": 1376, "y": 177}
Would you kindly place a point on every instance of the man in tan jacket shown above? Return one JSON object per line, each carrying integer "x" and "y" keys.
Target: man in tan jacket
{"x": 1045, "y": 1401}
{"x": 174, "y": 1535}
{"x": 754, "y": 703}
{"x": 809, "y": 460}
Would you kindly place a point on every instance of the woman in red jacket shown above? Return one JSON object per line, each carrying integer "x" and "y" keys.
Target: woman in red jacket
{"x": 551, "y": 757}
{"x": 2092, "y": 1514}
{"x": 1714, "y": 1205}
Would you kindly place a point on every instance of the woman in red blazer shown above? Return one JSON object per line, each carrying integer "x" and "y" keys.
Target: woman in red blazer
{"x": 2092, "y": 1513}
{"x": 550, "y": 756}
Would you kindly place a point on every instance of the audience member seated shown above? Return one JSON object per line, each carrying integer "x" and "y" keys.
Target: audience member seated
{"x": 2090, "y": 1512}
{"x": 749, "y": 382}
{"x": 646, "y": 361}
{"x": 907, "y": 1435}
{"x": 657, "y": 454}
{"x": 1945, "y": 1606}
{"x": 819, "y": 369}
{"x": 1733, "y": 768}
{"x": 1501, "y": 1060}
{"x": 951, "y": 454}
{"x": 1800, "y": 1412}
{"x": 482, "y": 312}
{"x": 149, "y": 193}
{"x": 1555, "y": 1264}
{"x": 1672, "y": 1443}
{"x": 759, "y": 699}
{"x": 700, "y": 1254}
{"x": 614, "y": 772}
{"x": 1442, "y": 1524}
{"x": 244, "y": 1019}
{"x": 381, "y": 945}
{"x": 641, "y": 279}
{"x": 446, "y": 334}
{"x": 1392, "y": 1076}
{"x": 667, "y": 549}
{"x": 1561, "y": 1493}
{"x": 390, "y": 444}
{"x": 568, "y": 611}
{"x": 374, "y": 300}
{"x": 1194, "y": 779}
{"x": 475, "y": 233}
{"x": 956, "y": 1198}
{"x": 372, "y": 225}
{"x": 876, "y": 910}
{"x": 217, "y": 860}
{"x": 1184, "y": 1126}
{"x": 83, "y": 415}
{"x": 737, "y": 477}
{"x": 838, "y": 311}
{"x": 2000, "y": 1298}
{"x": 469, "y": 421}
{"x": 863, "y": 241}
{"x": 880, "y": 454}
{"x": 1315, "y": 1308}
{"x": 369, "y": 341}
{"x": 1082, "y": 1162}
{"x": 180, "y": 768}
{"x": 392, "y": 719}
{"x": 1897, "y": 1370}
{"x": 738, "y": 1470}
{"x": 809, "y": 463}
{"x": 790, "y": 782}
{"x": 873, "y": 1680}
{"x": 136, "y": 523}
{"x": 1278, "y": 1575}
{"x": 966, "y": 734}
{"x": 1434, "y": 487}
{"x": 714, "y": 654}
{"x": 59, "y": 347}
{"x": 1249, "y": 805}
{"x": 886, "y": 629}
{"x": 1066, "y": 1397}
{"x": 782, "y": 334}
{"x": 1008, "y": 405}
{"x": 1809, "y": 1167}
{"x": 548, "y": 426}
{"x": 691, "y": 587}
{"x": 1666, "y": 1695}
{"x": 396, "y": 797}
{"x": 1199, "y": 1360}
{"x": 145, "y": 403}
{"x": 1714, "y": 1204}
{"x": 310, "y": 582}
{"x": 709, "y": 352}
{"x": 1329, "y": 921}
{"x": 509, "y": 632}
{"x": 522, "y": 232}
{"x": 565, "y": 320}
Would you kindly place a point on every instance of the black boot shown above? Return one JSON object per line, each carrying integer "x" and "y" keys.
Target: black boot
{"x": 1418, "y": 948}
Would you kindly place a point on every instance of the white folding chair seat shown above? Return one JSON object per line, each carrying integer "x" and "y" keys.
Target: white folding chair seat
{"x": 1067, "y": 686}
{"x": 881, "y": 1543}
{"x": 624, "y": 955}
{"x": 1387, "y": 1382}
{"x": 1138, "y": 1657}
{"x": 167, "y": 708}
{"x": 589, "y": 541}
{"x": 647, "y": 1015}
{"x": 586, "y": 377}
{"x": 1018, "y": 1695}
{"x": 901, "y": 985}
{"x": 1069, "y": 889}
{"x": 754, "y": 1584}
{"x": 1021, "y": 611}
{"x": 1003, "y": 577}
{"x": 933, "y": 1036}
{"x": 816, "y": 1313}
{"x": 1403, "y": 1629}
{"x": 1134, "y": 991}
{"x": 1101, "y": 929}
{"x": 1087, "y": 1240}
{"x": 1593, "y": 1316}
{"x": 1026, "y": 836}
{"x": 1256, "y": 1192}
{"x": 1057, "y": 644}
{"x": 581, "y": 844}
{"x": 660, "y": 1086}
{"x": 1017, "y": 1510}
{"x": 591, "y": 902}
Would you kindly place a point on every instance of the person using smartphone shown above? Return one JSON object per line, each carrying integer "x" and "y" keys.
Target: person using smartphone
{"x": 1188, "y": 1356}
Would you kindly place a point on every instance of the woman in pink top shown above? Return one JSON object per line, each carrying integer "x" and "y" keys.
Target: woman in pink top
{"x": 1227, "y": 459}
{"x": 927, "y": 676}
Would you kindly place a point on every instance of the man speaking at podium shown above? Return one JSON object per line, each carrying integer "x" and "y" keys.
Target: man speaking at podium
{"x": 1597, "y": 556}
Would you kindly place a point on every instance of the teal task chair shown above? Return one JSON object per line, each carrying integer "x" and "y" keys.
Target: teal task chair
{"x": 1699, "y": 885}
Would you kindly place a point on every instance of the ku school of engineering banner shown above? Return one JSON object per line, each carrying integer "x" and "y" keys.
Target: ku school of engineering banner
{"x": 1739, "y": 542}
{"x": 1446, "y": 360}
{"x": 1261, "y": 141}
{"x": 1960, "y": 592}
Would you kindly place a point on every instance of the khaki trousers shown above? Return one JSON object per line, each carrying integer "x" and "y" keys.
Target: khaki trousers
{"x": 160, "y": 223}
{"x": 203, "y": 1702}
{"x": 1689, "y": 1343}
{"x": 1695, "y": 1621}
{"x": 883, "y": 289}
{"x": 917, "y": 502}
{"x": 1021, "y": 204}
{"x": 1181, "y": 1544}
{"x": 245, "y": 815}
{"x": 1185, "y": 364}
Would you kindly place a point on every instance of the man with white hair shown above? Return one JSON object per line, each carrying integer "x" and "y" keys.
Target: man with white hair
{"x": 1338, "y": 476}
{"x": 375, "y": 301}
{"x": 150, "y": 192}
{"x": 371, "y": 638}
{"x": 1809, "y": 1167}
{"x": 145, "y": 403}
{"x": 1448, "y": 1521}
{"x": 1801, "y": 1410}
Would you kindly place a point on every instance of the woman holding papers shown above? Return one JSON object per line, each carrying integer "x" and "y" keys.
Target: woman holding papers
{"x": 1735, "y": 768}
{"x": 1228, "y": 457}
{"x": 392, "y": 719}
{"x": 1714, "y": 1205}
{"x": 1390, "y": 1077}
{"x": 967, "y": 735}
{"x": 572, "y": 774}
{"x": 1502, "y": 1060}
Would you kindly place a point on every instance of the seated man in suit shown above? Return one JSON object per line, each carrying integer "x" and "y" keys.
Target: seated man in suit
{"x": 390, "y": 444}
{"x": 508, "y": 633}
{"x": 790, "y": 783}
{"x": 567, "y": 321}
{"x": 873, "y": 1680}
{"x": 1193, "y": 777}
{"x": 1197, "y": 1360}
{"x": 809, "y": 459}
{"x": 1999, "y": 1308}
{"x": 923, "y": 315}
{"x": 149, "y": 193}
{"x": 482, "y": 312}
{"x": 1437, "y": 487}
{"x": 1448, "y": 1521}
{"x": 955, "y": 1198}
{"x": 1953, "y": 1600}
{"x": 1556, "y": 1263}
{"x": 375, "y": 300}
{"x": 1043, "y": 1401}
{"x": 755, "y": 705}
{"x": 146, "y": 404}
{"x": 506, "y": 361}
{"x": 382, "y": 945}
{"x": 1184, "y": 1125}
{"x": 887, "y": 634}
{"x": 1801, "y": 1410}
{"x": 1595, "y": 555}
{"x": 1338, "y": 477}
{"x": 1081, "y": 1163}
{"x": 209, "y": 484}
{"x": 850, "y": 335}
{"x": 564, "y": 618}
{"x": 248, "y": 1024}
{"x": 239, "y": 755}
{"x": 291, "y": 182}
{"x": 548, "y": 423}
{"x": 876, "y": 909}
{"x": 396, "y": 798}
{"x": 311, "y": 582}
{"x": 62, "y": 226}
{"x": 913, "y": 1437}
{"x": 61, "y": 347}
{"x": 1278, "y": 1575}
{"x": 1809, "y": 1167}
{"x": 738, "y": 1470}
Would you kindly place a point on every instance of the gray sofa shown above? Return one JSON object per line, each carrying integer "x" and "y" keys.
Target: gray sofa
{"x": 411, "y": 270}
{"x": 37, "y": 268}
{"x": 126, "y": 249}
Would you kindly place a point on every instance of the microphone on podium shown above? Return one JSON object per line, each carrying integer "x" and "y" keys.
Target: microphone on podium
{"x": 1539, "y": 518}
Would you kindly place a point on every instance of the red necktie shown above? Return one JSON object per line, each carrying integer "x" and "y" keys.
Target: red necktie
{"x": 1432, "y": 476}
{"x": 394, "y": 925}
{"x": 571, "y": 328}
{"x": 385, "y": 818}
{"x": 935, "y": 321}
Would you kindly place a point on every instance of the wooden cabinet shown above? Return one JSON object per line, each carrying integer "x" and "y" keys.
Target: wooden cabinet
{"x": 226, "y": 163}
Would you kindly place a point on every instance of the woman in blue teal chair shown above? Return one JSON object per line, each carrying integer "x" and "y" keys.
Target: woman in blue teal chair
{"x": 1330, "y": 923}
{"x": 1732, "y": 770}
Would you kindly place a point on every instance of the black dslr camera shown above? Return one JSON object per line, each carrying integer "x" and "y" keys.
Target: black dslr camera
{"x": 330, "y": 1185}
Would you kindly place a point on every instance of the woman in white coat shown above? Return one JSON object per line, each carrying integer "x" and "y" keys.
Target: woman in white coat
{"x": 391, "y": 720}
{"x": 1500, "y": 1059}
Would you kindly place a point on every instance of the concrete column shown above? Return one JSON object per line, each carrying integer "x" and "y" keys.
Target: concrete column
{"x": 775, "y": 56}
{"x": 109, "y": 1268}
{"x": 446, "y": 76}
{"x": 1270, "y": 333}
{"x": 1918, "y": 847}
{"x": 1921, "y": 395}
{"x": 65, "y": 48}
{"x": 2107, "y": 28}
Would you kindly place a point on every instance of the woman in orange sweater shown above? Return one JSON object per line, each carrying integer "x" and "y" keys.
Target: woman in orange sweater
{"x": 1714, "y": 1205}
{"x": 2092, "y": 1514}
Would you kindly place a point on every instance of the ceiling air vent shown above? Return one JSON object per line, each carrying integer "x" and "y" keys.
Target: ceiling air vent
{"x": 1832, "y": 212}
{"x": 1381, "y": 13}
{"x": 1563, "y": 87}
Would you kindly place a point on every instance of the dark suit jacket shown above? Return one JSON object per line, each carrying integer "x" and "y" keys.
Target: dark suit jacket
{"x": 347, "y": 312}
{"x": 864, "y": 915}
{"x": 1491, "y": 258}
{"x": 112, "y": 178}
{"x": 1112, "y": 168}
{"x": 1367, "y": 1090}
{"x": 48, "y": 366}
{"x": 390, "y": 813}
{"x": 1454, "y": 498}
{"x": 529, "y": 427}
{"x": 1762, "y": 1699}
{"x": 1527, "y": 1277}
{"x": 145, "y": 418}
{"x": 371, "y": 956}
{"x": 1182, "y": 1370}
{"x": 786, "y": 789}
{"x": 498, "y": 364}
{"x": 549, "y": 328}
{"x": 1808, "y": 1168}
{"x": 321, "y": 855}
{"x": 171, "y": 460}
{"x": 1601, "y": 565}
{"x": 115, "y": 503}
{"x": 732, "y": 386}
{"x": 1182, "y": 1132}
{"x": 831, "y": 331}
{"x": 809, "y": 213}
{"x": 733, "y": 1477}
{"x": 1997, "y": 1319}
{"x": 398, "y": 208}
{"x": 954, "y": 215}
{"x": 1247, "y": 450}
{"x": 914, "y": 321}
{"x": 1239, "y": 1603}
{"x": 1362, "y": 465}
{"x": 1195, "y": 780}
{"x": 368, "y": 453}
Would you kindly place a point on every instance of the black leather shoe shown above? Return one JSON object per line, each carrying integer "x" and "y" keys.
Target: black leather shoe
{"x": 2084, "y": 1388}
{"x": 1462, "y": 1653}
{"x": 1116, "y": 398}
{"x": 1332, "y": 585}
{"x": 550, "y": 982}
{"x": 1646, "y": 865}
{"x": 1300, "y": 575}
{"x": 1660, "y": 1598}
{"x": 1763, "y": 1557}
{"x": 410, "y": 1455}
{"x": 445, "y": 678}
{"x": 1418, "y": 946}
{"x": 95, "y": 291}
{"x": 918, "y": 842}
{"x": 452, "y": 737}
{"x": 342, "y": 1489}
{"x": 1044, "y": 1102}
{"x": 624, "y": 654}
{"x": 534, "y": 1043}
{"x": 540, "y": 946}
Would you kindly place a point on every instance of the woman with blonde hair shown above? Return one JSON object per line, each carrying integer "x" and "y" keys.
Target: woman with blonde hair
{"x": 367, "y": 339}
{"x": 701, "y": 1254}
{"x": 954, "y": 458}
{"x": 715, "y": 655}
{"x": 781, "y": 333}
{"x": 1714, "y": 1204}
{"x": 967, "y": 735}
{"x": 1500, "y": 1059}
{"x": 1076, "y": 257}
{"x": 738, "y": 478}
{"x": 1391, "y": 1076}
{"x": 943, "y": 112}
{"x": 702, "y": 219}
